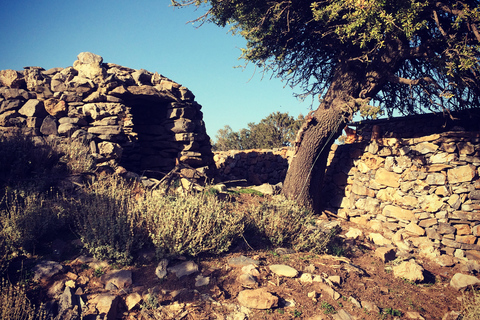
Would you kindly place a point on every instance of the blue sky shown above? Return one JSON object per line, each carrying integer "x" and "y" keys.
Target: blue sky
{"x": 149, "y": 35}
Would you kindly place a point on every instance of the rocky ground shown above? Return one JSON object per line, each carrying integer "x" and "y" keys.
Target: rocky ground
{"x": 356, "y": 280}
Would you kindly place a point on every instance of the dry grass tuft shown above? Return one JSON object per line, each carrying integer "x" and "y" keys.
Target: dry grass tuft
{"x": 471, "y": 305}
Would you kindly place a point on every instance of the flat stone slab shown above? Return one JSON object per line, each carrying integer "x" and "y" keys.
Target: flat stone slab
{"x": 184, "y": 269}
{"x": 257, "y": 299}
{"x": 242, "y": 261}
{"x": 461, "y": 281}
{"x": 283, "y": 270}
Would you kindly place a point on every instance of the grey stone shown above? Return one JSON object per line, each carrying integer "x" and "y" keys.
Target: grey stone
{"x": 45, "y": 270}
{"x": 242, "y": 261}
{"x": 184, "y": 269}
{"x": 49, "y": 126}
{"x": 161, "y": 270}
{"x": 120, "y": 278}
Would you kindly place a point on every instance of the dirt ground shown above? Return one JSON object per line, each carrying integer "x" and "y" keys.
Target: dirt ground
{"x": 364, "y": 277}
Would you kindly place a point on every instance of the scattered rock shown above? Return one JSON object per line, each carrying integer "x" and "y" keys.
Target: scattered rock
{"x": 201, "y": 281}
{"x": 242, "y": 261}
{"x": 306, "y": 278}
{"x": 184, "y": 269}
{"x": 132, "y": 300}
{"x": 385, "y": 254}
{"x": 45, "y": 270}
{"x": 257, "y": 299}
{"x": 283, "y": 270}
{"x": 461, "y": 281}
{"x": 342, "y": 315}
{"x": 119, "y": 278}
{"x": 161, "y": 270}
{"x": 414, "y": 315}
{"x": 409, "y": 270}
{"x": 370, "y": 307}
{"x": 247, "y": 280}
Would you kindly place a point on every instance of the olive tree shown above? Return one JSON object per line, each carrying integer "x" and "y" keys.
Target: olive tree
{"x": 408, "y": 56}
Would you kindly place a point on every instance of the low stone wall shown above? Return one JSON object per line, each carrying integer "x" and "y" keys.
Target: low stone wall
{"x": 256, "y": 166}
{"x": 416, "y": 183}
{"x": 138, "y": 119}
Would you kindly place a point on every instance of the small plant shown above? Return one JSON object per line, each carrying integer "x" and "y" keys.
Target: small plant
{"x": 250, "y": 191}
{"x": 151, "y": 302}
{"x": 327, "y": 308}
{"x": 281, "y": 311}
{"x": 98, "y": 272}
{"x": 392, "y": 312}
{"x": 191, "y": 225}
{"x": 340, "y": 304}
{"x": 296, "y": 313}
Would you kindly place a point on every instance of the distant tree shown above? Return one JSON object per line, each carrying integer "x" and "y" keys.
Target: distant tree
{"x": 275, "y": 131}
{"x": 409, "y": 56}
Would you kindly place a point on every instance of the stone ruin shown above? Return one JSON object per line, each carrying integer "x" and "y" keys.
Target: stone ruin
{"x": 137, "y": 119}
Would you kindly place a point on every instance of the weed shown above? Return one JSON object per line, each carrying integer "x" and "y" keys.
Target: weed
{"x": 340, "y": 304}
{"x": 391, "y": 312}
{"x": 471, "y": 305}
{"x": 281, "y": 311}
{"x": 296, "y": 313}
{"x": 14, "y": 304}
{"x": 327, "y": 308}
{"x": 151, "y": 302}
{"x": 250, "y": 191}
{"x": 98, "y": 272}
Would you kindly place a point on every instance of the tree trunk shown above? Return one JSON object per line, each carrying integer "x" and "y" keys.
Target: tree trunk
{"x": 304, "y": 179}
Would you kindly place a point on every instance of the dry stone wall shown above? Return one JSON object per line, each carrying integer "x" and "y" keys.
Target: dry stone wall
{"x": 417, "y": 182}
{"x": 412, "y": 180}
{"x": 141, "y": 120}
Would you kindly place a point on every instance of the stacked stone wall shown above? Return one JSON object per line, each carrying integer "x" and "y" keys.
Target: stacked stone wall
{"x": 414, "y": 180}
{"x": 140, "y": 120}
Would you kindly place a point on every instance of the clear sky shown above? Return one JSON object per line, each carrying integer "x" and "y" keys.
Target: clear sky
{"x": 151, "y": 35}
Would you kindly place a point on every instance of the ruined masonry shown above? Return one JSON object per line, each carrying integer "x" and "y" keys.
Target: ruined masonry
{"x": 143, "y": 121}
{"x": 413, "y": 181}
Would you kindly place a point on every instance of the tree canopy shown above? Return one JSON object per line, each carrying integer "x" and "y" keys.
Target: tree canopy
{"x": 274, "y": 131}
{"x": 415, "y": 55}
{"x": 409, "y": 56}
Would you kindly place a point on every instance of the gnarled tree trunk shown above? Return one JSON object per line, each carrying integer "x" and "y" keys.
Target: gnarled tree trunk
{"x": 304, "y": 179}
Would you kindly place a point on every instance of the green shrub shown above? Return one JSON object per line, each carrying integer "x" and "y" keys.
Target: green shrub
{"x": 108, "y": 221}
{"x": 25, "y": 217}
{"x": 14, "y": 304}
{"x": 193, "y": 224}
{"x": 284, "y": 223}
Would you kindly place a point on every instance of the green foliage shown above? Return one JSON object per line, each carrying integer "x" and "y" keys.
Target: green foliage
{"x": 275, "y": 131}
{"x": 194, "y": 224}
{"x": 26, "y": 217}
{"x": 327, "y": 308}
{"x": 409, "y": 56}
{"x": 108, "y": 220}
{"x": 284, "y": 223}
{"x": 392, "y": 312}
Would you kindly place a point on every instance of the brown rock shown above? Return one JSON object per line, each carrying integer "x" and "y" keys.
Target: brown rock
{"x": 387, "y": 178}
{"x": 257, "y": 299}
{"x": 385, "y": 254}
{"x": 461, "y": 174}
{"x": 398, "y": 213}
{"x": 55, "y": 107}
{"x": 11, "y": 79}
